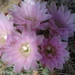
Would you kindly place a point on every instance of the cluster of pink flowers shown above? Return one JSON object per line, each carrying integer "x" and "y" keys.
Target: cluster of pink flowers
{"x": 34, "y": 32}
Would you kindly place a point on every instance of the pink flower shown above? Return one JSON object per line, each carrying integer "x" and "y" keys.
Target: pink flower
{"x": 6, "y": 26}
{"x": 62, "y": 21}
{"x": 54, "y": 53}
{"x": 24, "y": 53}
{"x": 29, "y": 14}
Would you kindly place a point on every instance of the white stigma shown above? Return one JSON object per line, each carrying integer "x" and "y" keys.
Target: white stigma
{"x": 3, "y": 40}
{"x": 48, "y": 48}
{"x": 5, "y": 37}
{"x": 24, "y": 48}
{"x": 32, "y": 2}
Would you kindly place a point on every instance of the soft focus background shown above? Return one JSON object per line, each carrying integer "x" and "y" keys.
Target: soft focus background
{"x": 69, "y": 67}
{"x": 5, "y": 4}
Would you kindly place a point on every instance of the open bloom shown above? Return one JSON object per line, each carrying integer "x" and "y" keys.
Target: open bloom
{"x": 6, "y": 26}
{"x": 24, "y": 53}
{"x": 54, "y": 53}
{"x": 30, "y": 14}
{"x": 62, "y": 21}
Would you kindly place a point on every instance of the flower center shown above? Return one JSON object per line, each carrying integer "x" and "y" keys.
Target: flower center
{"x": 3, "y": 40}
{"x": 31, "y": 18}
{"x": 25, "y": 49}
{"x": 49, "y": 50}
